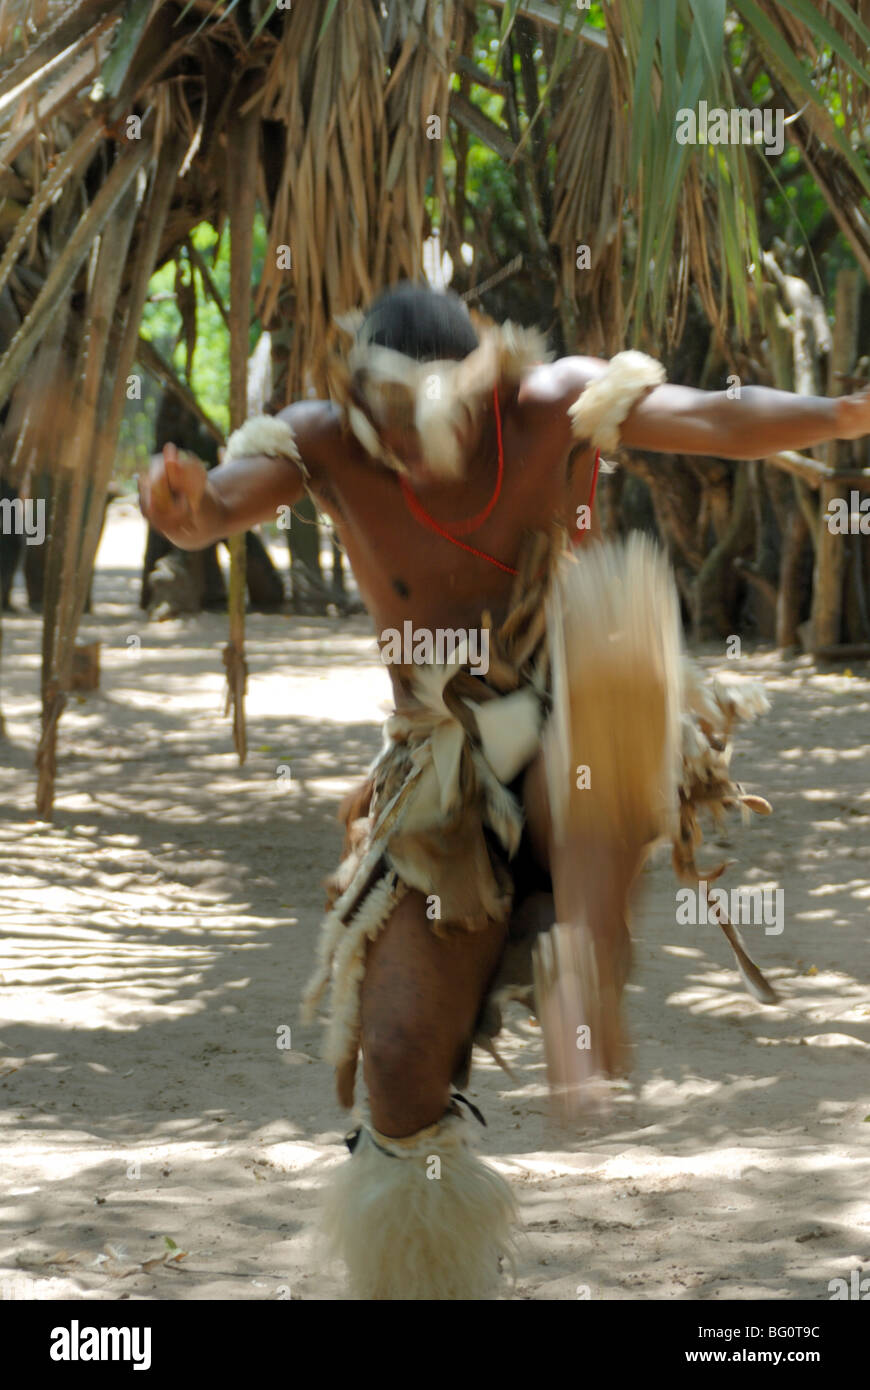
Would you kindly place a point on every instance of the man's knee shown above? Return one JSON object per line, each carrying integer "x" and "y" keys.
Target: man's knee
{"x": 395, "y": 1053}
{"x": 420, "y": 998}
{"x": 408, "y": 1083}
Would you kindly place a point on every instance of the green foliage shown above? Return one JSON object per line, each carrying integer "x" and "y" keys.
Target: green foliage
{"x": 162, "y": 326}
{"x": 680, "y": 52}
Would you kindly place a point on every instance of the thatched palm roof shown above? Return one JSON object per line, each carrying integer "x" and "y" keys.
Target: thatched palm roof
{"x": 123, "y": 125}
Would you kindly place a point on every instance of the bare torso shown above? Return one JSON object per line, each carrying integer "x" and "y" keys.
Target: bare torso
{"x": 404, "y": 569}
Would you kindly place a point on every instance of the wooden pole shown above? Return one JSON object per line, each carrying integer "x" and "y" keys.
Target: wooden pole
{"x": 76, "y": 467}
{"x": 830, "y": 551}
{"x": 794, "y": 524}
{"x": 71, "y": 556}
{"x": 241, "y": 182}
{"x": 151, "y": 222}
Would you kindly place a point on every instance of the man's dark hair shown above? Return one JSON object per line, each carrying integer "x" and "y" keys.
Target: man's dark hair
{"x": 422, "y": 323}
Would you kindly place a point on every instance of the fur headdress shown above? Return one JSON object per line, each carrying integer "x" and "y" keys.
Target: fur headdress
{"x": 382, "y": 389}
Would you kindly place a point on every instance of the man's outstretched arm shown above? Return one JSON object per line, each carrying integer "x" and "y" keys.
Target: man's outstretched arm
{"x": 758, "y": 423}
{"x": 674, "y": 419}
{"x": 194, "y": 508}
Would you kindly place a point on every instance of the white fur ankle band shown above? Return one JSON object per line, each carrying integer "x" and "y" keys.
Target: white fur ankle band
{"x": 410, "y": 1146}
{"x": 437, "y": 1224}
{"x": 599, "y": 410}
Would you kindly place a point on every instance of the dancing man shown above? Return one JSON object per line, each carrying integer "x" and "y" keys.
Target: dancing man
{"x": 546, "y": 728}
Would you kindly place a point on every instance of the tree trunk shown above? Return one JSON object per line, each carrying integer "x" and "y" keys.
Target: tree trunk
{"x": 303, "y": 543}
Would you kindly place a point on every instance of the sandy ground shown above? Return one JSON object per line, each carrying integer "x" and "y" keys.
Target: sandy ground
{"x": 157, "y": 936}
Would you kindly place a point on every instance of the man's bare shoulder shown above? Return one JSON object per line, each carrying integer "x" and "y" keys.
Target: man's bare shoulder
{"x": 318, "y": 427}
{"x": 559, "y": 383}
{"x": 328, "y": 449}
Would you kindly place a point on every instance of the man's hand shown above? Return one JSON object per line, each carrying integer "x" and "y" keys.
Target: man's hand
{"x": 853, "y": 415}
{"x": 171, "y": 493}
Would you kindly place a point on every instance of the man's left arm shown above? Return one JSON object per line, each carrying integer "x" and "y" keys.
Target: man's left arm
{"x": 757, "y": 423}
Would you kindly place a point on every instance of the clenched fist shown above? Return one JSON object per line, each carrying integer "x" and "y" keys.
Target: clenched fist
{"x": 171, "y": 492}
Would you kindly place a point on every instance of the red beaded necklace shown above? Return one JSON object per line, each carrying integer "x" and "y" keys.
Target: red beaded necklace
{"x": 465, "y": 528}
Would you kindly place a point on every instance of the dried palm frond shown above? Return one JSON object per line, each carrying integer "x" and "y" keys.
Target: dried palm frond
{"x": 350, "y": 203}
{"x": 33, "y": 34}
{"x": 588, "y": 200}
{"x": 65, "y": 267}
{"x": 661, "y": 58}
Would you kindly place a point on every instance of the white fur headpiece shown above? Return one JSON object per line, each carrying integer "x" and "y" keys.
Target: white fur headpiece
{"x": 599, "y": 410}
{"x": 381, "y": 389}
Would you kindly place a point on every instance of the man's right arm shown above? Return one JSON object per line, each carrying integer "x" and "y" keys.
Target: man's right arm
{"x": 194, "y": 508}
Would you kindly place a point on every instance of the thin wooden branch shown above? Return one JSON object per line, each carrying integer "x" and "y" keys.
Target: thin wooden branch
{"x": 812, "y": 472}
{"x": 65, "y": 594}
{"x": 506, "y": 271}
{"x": 466, "y": 114}
{"x": 152, "y": 361}
{"x": 479, "y": 76}
{"x": 208, "y": 281}
{"x": 827, "y": 609}
{"x": 551, "y": 17}
{"x": 80, "y": 451}
{"x": 816, "y": 473}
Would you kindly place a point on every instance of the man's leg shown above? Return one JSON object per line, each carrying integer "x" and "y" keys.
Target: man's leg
{"x": 414, "y": 1212}
{"x": 420, "y": 998}
{"x": 604, "y": 788}
{"x": 593, "y": 877}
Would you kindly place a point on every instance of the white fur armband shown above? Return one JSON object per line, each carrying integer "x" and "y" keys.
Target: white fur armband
{"x": 599, "y": 410}
{"x": 264, "y": 434}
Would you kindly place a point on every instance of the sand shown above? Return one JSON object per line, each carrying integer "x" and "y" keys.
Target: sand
{"x": 160, "y": 1138}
